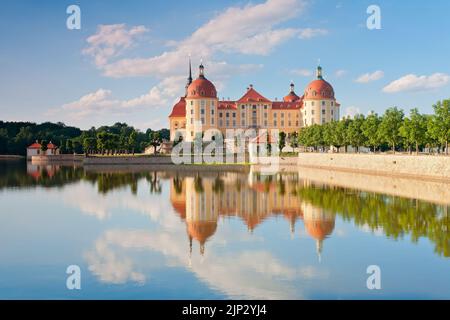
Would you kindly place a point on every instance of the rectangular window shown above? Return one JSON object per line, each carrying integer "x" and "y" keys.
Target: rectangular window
{"x": 234, "y": 114}
{"x": 265, "y": 107}
{"x": 228, "y": 123}
{"x": 212, "y": 121}
{"x": 323, "y": 111}
{"x": 289, "y": 123}
{"x": 282, "y": 115}
{"x": 202, "y": 111}
{"x": 243, "y": 115}
{"x": 282, "y": 123}
{"x": 243, "y": 107}
{"x": 227, "y": 114}
{"x": 192, "y": 111}
{"x": 254, "y": 107}
{"x": 274, "y": 123}
{"x": 275, "y": 115}
{"x": 331, "y": 111}
{"x": 220, "y": 123}
{"x": 203, "y": 120}
{"x": 234, "y": 123}
{"x": 265, "y": 123}
{"x": 312, "y": 103}
{"x": 312, "y": 120}
{"x": 202, "y": 103}
{"x": 323, "y": 103}
{"x": 332, "y": 103}
{"x": 243, "y": 123}
{"x": 220, "y": 114}
{"x": 312, "y": 111}
{"x": 323, "y": 120}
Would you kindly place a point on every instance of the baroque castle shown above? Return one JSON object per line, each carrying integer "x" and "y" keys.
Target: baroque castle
{"x": 200, "y": 111}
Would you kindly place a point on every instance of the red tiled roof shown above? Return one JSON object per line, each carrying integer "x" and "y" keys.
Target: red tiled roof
{"x": 201, "y": 88}
{"x": 318, "y": 90}
{"x": 179, "y": 109}
{"x": 252, "y": 96}
{"x": 227, "y": 105}
{"x": 277, "y": 105}
{"x": 51, "y": 146}
{"x": 35, "y": 145}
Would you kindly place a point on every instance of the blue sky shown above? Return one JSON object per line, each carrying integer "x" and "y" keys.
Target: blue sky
{"x": 129, "y": 60}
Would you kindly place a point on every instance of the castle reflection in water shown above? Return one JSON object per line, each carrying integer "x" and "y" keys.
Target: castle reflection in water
{"x": 202, "y": 197}
{"x": 201, "y": 200}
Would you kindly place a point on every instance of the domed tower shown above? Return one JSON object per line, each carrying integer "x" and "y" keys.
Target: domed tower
{"x": 292, "y": 96}
{"x": 201, "y": 106}
{"x": 319, "y": 103}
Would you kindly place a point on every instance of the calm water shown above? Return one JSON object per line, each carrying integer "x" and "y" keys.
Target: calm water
{"x": 214, "y": 235}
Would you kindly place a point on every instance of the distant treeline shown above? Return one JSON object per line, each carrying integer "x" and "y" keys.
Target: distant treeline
{"x": 392, "y": 131}
{"x": 16, "y": 136}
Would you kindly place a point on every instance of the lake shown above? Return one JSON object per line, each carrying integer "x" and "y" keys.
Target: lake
{"x": 209, "y": 234}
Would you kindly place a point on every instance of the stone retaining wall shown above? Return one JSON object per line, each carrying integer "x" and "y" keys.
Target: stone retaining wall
{"x": 426, "y": 166}
{"x": 56, "y": 158}
{"x": 125, "y": 160}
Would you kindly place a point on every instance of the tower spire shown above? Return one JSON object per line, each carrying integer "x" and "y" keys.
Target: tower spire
{"x": 190, "y": 71}
{"x": 319, "y": 71}
{"x": 201, "y": 69}
{"x": 189, "y": 79}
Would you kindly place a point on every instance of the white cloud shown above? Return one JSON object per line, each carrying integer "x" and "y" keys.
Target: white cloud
{"x": 111, "y": 40}
{"x": 369, "y": 77}
{"x": 412, "y": 82}
{"x": 340, "y": 73}
{"x": 351, "y": 112}
{"x": 302, "y": 72}
{"x": 309, "y": 33}
{"x": 247, "y": 30}
{"x": 101, "y": 101}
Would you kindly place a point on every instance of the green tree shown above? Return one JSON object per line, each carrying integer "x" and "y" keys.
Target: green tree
{"x": 89, "y": 145}
{"x": 102, "y": 139}
{"x": 293, "y": 139}
{"x": 370, "y": 130}
{"x": 281, "y": 140}
{"x": 390, "y": 125}
{"x": 44, "y": 146}
{"x": 3, "y": 141}
{"x": 155, "y": 140}
{"x": 439, "y": 125}
{"x": 316, "y": 136}
{"x": 354, "y": 132}
{"x": 132, "y": 141}
{"x": 413, "y": 130}
{"x": 69, "y": 146}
